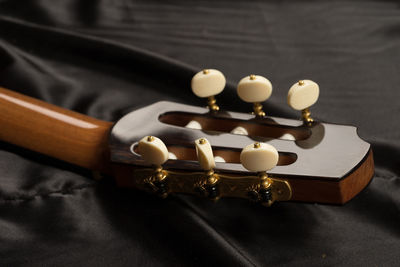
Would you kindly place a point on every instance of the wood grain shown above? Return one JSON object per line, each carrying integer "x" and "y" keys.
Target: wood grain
{"x": 54, "y": 131}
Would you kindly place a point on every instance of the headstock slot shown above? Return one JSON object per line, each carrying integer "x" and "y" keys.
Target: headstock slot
{"x": 267, "y": 127}
{"x": 229, "y": 155}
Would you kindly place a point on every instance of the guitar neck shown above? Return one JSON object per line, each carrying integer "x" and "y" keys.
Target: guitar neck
{"x": 54, "y": 131}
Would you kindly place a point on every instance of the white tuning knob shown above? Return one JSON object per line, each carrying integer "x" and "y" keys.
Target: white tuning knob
{"x": 153, "y": 150}
{"x": 303, "y": 95}
{"x": 259, "y": 157}
{"x": 255, "y": 89}
{"x": 208, "y": 83}
{"x": 204, "y": 154}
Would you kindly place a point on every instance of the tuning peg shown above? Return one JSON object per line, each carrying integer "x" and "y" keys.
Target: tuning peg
{"x": 155, "y": 153}
{"x": 255, "y": 89}
{"x": 207, "y": 163}
{"x": 301, "y": 96}
{"x": 208, "y": 83}
{"x": 204, "y": 154}
{"x": 260, "y": 157}
{"x": 153, "y": 150}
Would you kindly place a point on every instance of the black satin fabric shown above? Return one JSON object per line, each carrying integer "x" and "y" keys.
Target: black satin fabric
{"x": 105, "y": 58}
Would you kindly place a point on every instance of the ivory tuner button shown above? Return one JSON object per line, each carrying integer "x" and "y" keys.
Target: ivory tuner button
{"x": 204, "y": 154}
{"x": 259, "y": 157}
{"x": 303, "y": 94}
{"x": 153, "y": 150}
{"x": 254, "y": 89}
{"x": 208, "y": 83}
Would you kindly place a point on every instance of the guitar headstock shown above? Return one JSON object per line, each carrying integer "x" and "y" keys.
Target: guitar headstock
{"x": 217, "y": 153}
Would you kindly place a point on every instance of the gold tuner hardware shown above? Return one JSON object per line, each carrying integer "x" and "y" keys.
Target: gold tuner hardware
{"x": 255, "y": 89}
{"x": 208, "y": 83}
{"x": 306, "y": 116}
{"x": 260, "y": 157}
{"x": 155, "y": 153}
{"x": 208, "y": 186}
{"x": 301, "y": 96}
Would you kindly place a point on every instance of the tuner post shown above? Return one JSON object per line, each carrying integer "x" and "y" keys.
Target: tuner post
{"x": 207, "y": 84}
{"x": 258, "y": 110}
{"x": 306, "y": 116}
{"x": 255, "y": 89}
{"x": 265, "y": 189}
{"x": 301, "y": 96}
{"x": 159, "y": 181}
{"x": 212, "y": 104}
{"x": 209, "y": 185}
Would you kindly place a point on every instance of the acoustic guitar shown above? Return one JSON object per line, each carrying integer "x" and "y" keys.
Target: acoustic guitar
{"x": 169, "y": 148}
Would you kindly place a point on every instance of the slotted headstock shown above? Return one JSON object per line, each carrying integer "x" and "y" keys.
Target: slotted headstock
{"x": 321, "y": 152}
{"x": 318, "y": 162}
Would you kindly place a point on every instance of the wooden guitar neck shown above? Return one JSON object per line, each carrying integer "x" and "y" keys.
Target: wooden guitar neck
{"x": 54, "y": 131}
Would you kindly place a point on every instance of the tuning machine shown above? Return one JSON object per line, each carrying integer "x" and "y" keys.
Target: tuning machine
{"x": 208, "y": 83}
{"x": 301, "y": 96}
{"x": 209, "y": 185}
{"x": 260, "y": 157}
{"x": 255, "y": 89}
{"x": 155, "y": 153}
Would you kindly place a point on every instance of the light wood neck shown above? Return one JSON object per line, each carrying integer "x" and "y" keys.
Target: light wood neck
{"x": 54, "y": 131}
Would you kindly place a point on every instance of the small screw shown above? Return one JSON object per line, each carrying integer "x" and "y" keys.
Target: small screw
{"x": 301, "y": 82}
{"x": 202, "y": 141}
{"x": 150, "y": 138}
{"x": 206, "y": 71}
{"x": 257, "y": 145}
{"x": 252, "y": 77}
